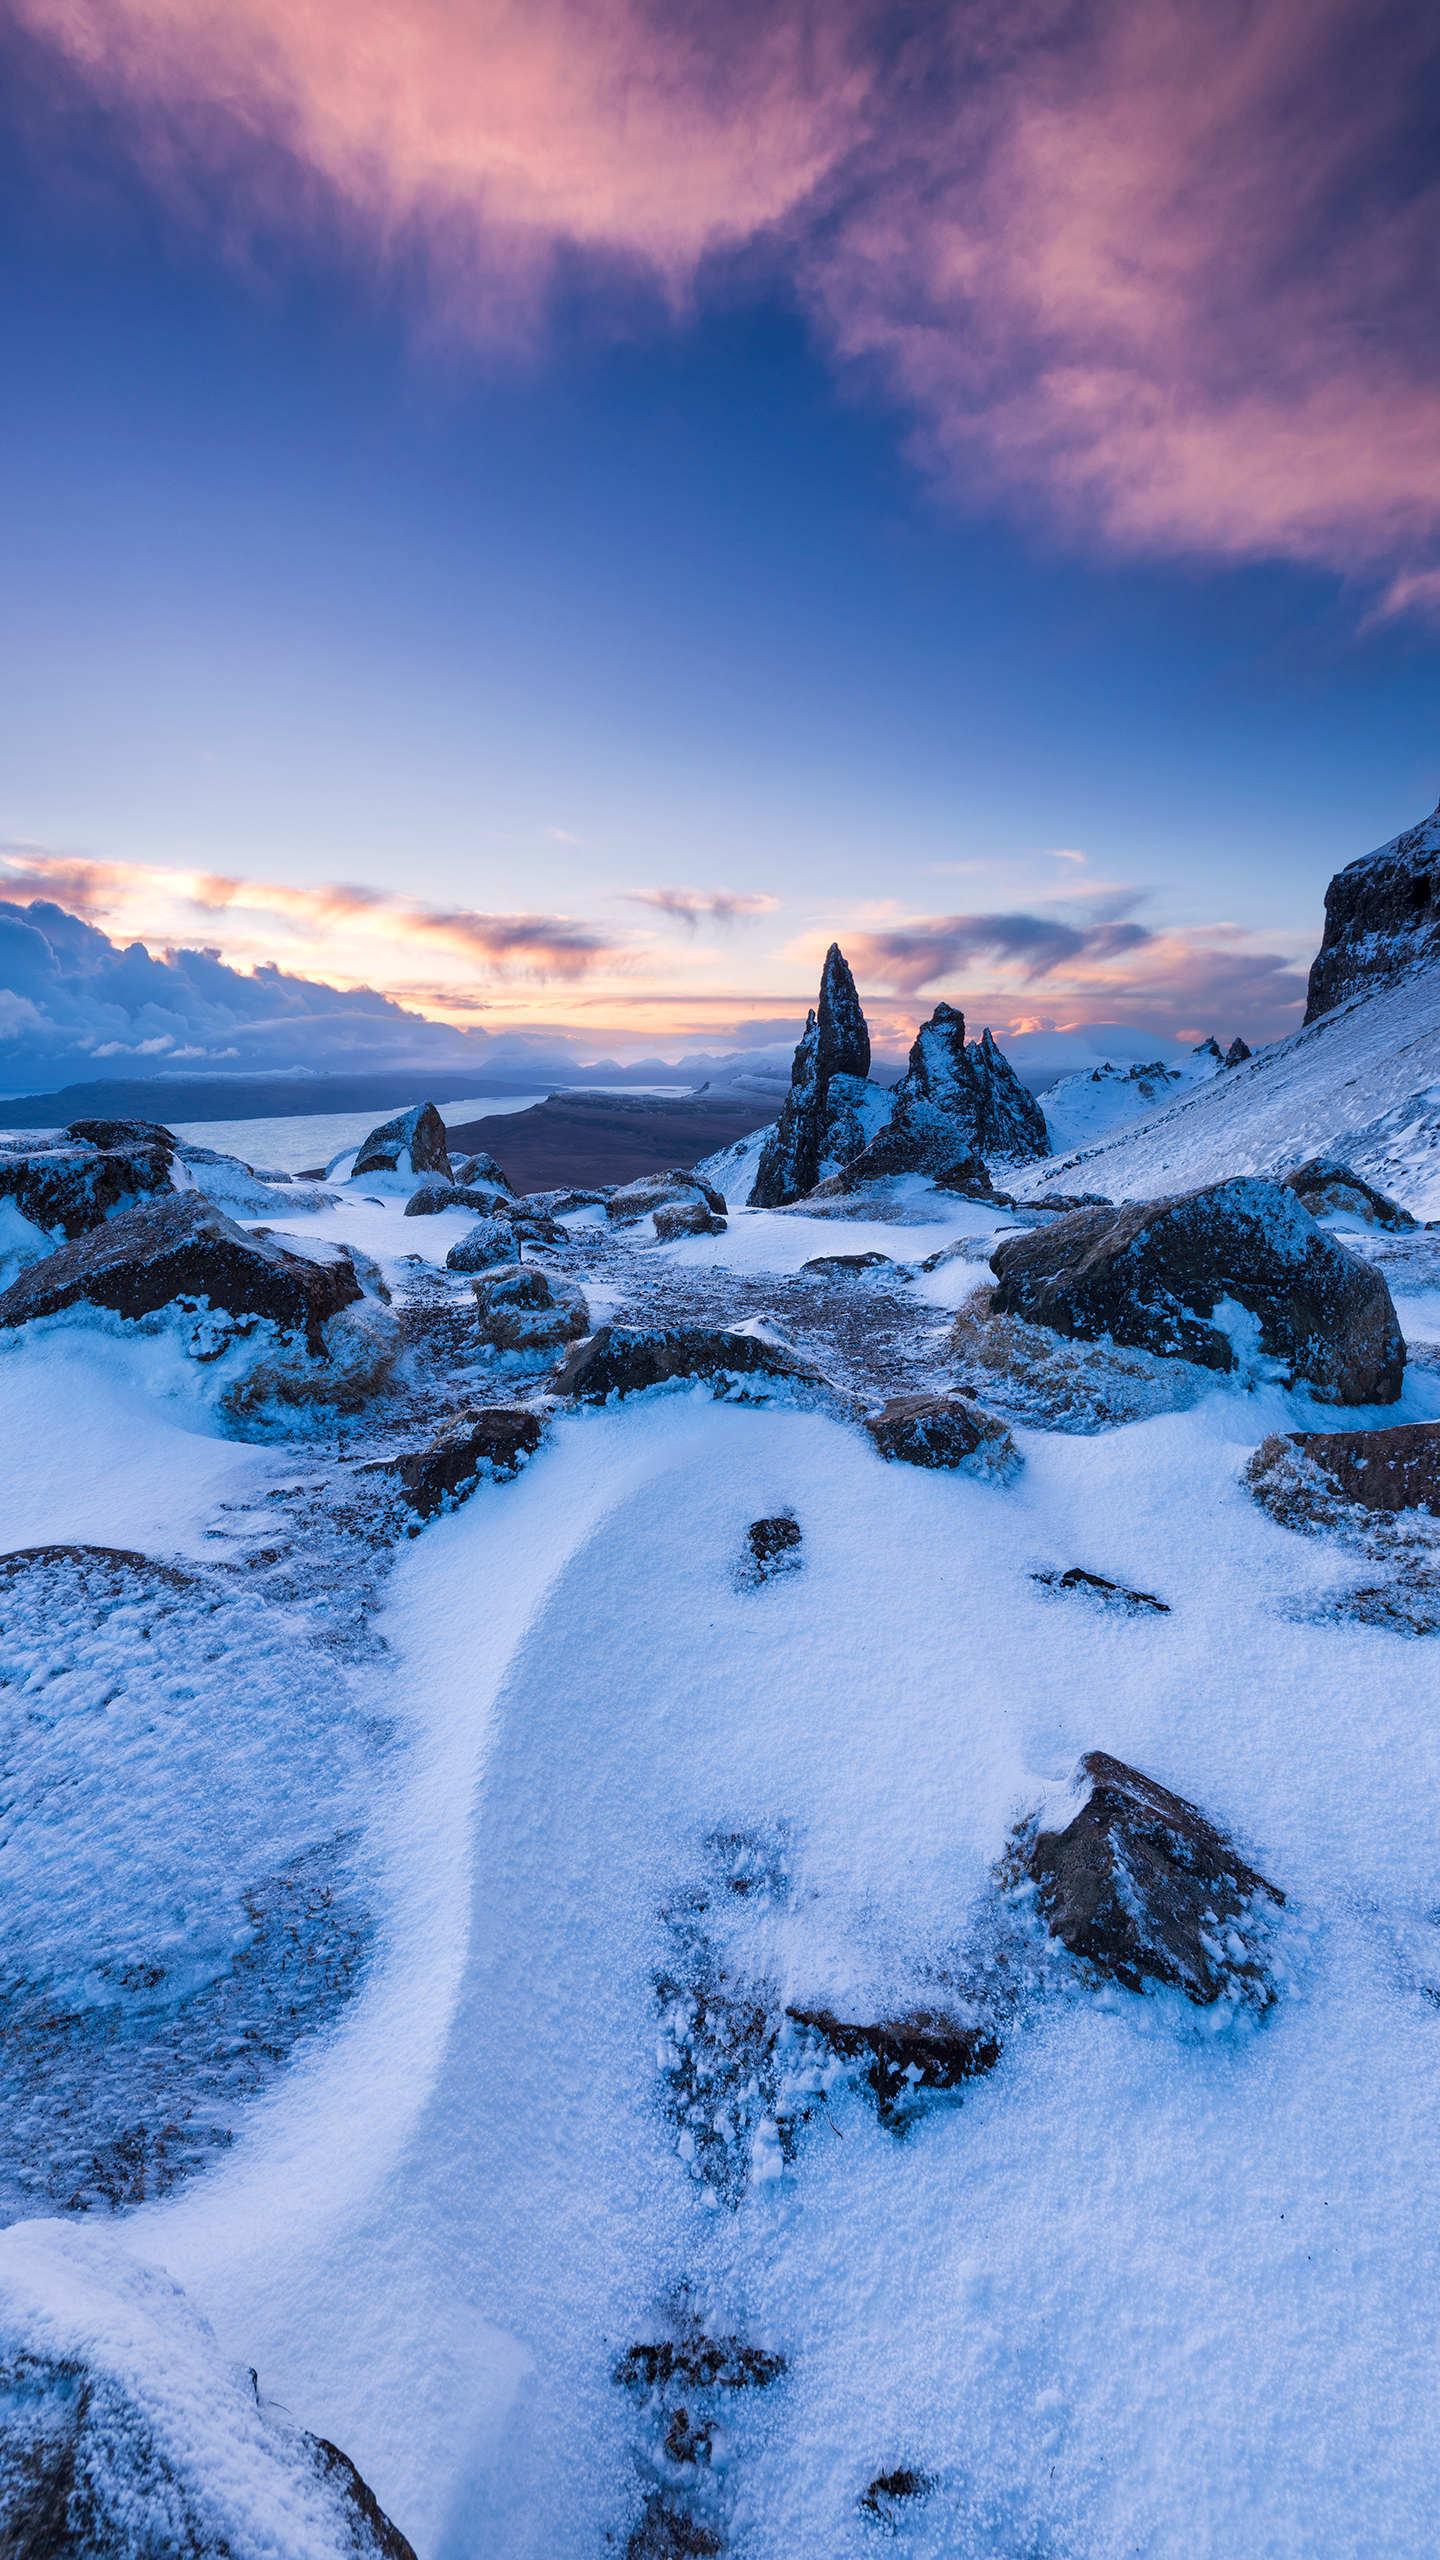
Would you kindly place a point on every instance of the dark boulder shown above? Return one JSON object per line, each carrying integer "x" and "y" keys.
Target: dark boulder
{"x": 679, "y": 1188}
{"x": 831, "y": 1109}
{"x": 1397, "y": 1469}
{"x": 521, "y": 1308}
{"x": 486, "y": 1199}
{"x": 844, "y": 1266}
{"x": 122, "y": 1133}
{"x": 1237, "y": 1053}
{"x": 1326, "y": 1187}
{"x": 71, "y": 1185}
{"x": 958, "y": 1104}
{"x": 679, "y": 1218}
{"x": 945, "y": 1431}
{"x": 182, "y": 1247}
{"x": 412, "y": 1143}
{"x": 1382, "y": 919}
{"x": 495, "y": 1442}
{"x": 627, "y": 1359}
{"x": 1105, "y": 1594}
{"x": 489, "y": 1242}
{"x": 482, "y": 1170}
{"x": 699, "y": 2362}
{"x": 430, "y": 1198}
{"x": 773, "y": 1546}
{"x": 1160, "y": 1274}
{"x": 1143, "y": 1888}
{"x": 906, "y": 2056}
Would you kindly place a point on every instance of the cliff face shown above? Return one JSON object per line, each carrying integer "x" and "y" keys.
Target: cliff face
{"x": 1382, "y": 919}
{"x": 820, "y": 1129}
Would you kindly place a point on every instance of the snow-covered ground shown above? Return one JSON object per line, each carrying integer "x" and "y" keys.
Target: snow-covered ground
{"x": 1156, "y": 2286}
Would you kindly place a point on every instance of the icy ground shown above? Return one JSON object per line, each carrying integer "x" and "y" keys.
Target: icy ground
{"x": 364, "y": 1896}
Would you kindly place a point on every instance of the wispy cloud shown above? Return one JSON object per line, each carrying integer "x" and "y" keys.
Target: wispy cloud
{"x": 692, "y": 907}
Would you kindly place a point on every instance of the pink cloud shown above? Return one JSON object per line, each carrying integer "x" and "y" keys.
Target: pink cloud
{"x": 1161, "y": 269}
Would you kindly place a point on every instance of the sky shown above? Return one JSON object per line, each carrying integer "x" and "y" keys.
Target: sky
{"x": 552, "y": 510}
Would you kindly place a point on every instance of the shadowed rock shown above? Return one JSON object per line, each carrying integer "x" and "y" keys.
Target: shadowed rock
{"x": 1237, "y": 1053}
{"x": 890, "y": 2492}
{"x": 905, "y": 2056}
{"x": 489, "y": 1241}
{"x": 521, "y": 1308}
{"x": 1143, "y": 1888}
{"x": 1382, "y": 919}
{"x": 69, "y": 1186}
{"x": 431, "y": 1198}
{"x": 482, "y": 1171}
{"x": 843, "y": 1266}
{"x": 1105, "y": 1594}
{"x": 413, "y": 1142}
{"x": 625, "y": 1360}
{"x": 182, "y": 1247}
{"x": 828, "y": 1114}
{"x": 945, "y": 1431}
{"x": 1170, "y": 1276}
{"x": 680, "y": 1218}
{"x": 651, "y": 1192}
{"x": 1389, "y": 1471}
{"x": 495, "y": 1442}
{"x": 1326, "y": 1187}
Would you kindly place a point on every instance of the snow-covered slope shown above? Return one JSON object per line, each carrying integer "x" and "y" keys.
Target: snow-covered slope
{"x": 1083, "y": 1107}
{"x": 1362, "y": 1083}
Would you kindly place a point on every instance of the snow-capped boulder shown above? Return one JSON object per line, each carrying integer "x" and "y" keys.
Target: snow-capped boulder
{"x": 65, "y": 1186}
{"x": 1238, "y": 1272}
{"x": 490, "y": 1241}
{"x": 482, "y": 1170}
{"x": 284, "y": 1318}
{"x": 677, "y": 1218}
{"x": 492, "y": 1443}
{"x": 121, "y": 1133}
{"x": 679, "y": 1188}
{"x": 1328, "y": 1188}
{"x": 485, "y": 1198}
{"x": 521, "y": 1308}
{"x": 1382, "y": 919}
{"x": 748, "y": 1366}
{"x": 1144, "y": 1889}
{"x": 831, "y": 1110}
{"x": 1395, "y": 1469}
{"x": 944, "y": 1431}
{"x": 123, "y": 2429}
{"x": 411, "y": 1144}
{"x": 429, "y": 1198}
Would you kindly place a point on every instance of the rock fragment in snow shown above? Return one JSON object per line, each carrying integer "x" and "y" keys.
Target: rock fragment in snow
{"x": 1390, "y": 1470}
{"x": 677, "y": 1218}
{"x": 412, "y": 1143}
{"x": 1328, "y": 1188}
{"x": 843, "y": 1266}
{"x": 685, "y": 2382}
{"x": 627, "y": 1359}
{"x": 773, "y": 1546}
{"x": 1105, "y": 1594}
{"x": 890, "y": 2492}
{"x": 906, "y": 2058}
{"x": 945, "y": 1431}
{"x": 521, "y": 1308}
{"x": 1180, "y": 1276}
{"x": 490, "y": 1241}
{"x": 493, "y": 1442}
{"x": 649, "y": 1192}
{"x": 1143, "y": 1888}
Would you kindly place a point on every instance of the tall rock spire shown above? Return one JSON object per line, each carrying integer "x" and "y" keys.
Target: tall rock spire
{"x": 830, "y": 1110}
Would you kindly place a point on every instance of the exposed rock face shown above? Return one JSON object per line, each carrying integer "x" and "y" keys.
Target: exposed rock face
{"x": 430, "y": 1199}
{"x": 495, "y": 1442}
{"x": 1326, "y": 1187}
{"x": 1382, "y": 919}
{"x": 521, "y": 1308}
{"x": 182, "y": 1247}
{"x": 482, "y": 1170}
{"x": 1237, "y": 1053}
{"x": 1144, "y": 1889}
{"x": 489, "y": 1241}
{"x": 844, "y": 1266}
{"x": 412, "y": 1143}
{"x": 823, "y": 1119}
{"x": 626, "y": 1359}
{"x": 1161, "y": 1274}
{"x": 1104, "y": 1594}
{"x": 1393, "y": 1470}
{"x": 688, "y": 1218}
{"x": 122, "y": 1133}
{"x": 944, "y": 1431}
{"x": 67, "y": 1186}
{"x": 958, "y": 1103}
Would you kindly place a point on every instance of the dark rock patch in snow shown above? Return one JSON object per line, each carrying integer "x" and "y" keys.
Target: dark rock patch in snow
{"x": 68, "y": 1187}
{"x": 840, "y": 1266}
{"x": 1142, "y": 1888}
{"x": 493, "y": 1443}
{"x": 431, "y": 1197}
{"x": 1394, "y": 1469}
{"x": 122, "y": 1133}
{"x": 626, "y": 1360}
{"x": 890, "y": 2493}
{"x": 489, "y": 1242}
{"x": 1105, "y": 1594}
{"x": 483, "y": 1171}
{"x": 1165, "y": 1276}
{"x": 413, "y": 1142}
{"x": 945, "y": 1431}
{"x": 687, "y": 2384}
{"x": 773, "y": 1547}
{"x": 904, "y": 2060}
{"x": 1327, "y": 1188}
{"x": 523, "y": 1309}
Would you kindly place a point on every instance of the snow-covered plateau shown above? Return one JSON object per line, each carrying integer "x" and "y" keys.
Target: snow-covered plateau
{"x": 767, "y": 1883}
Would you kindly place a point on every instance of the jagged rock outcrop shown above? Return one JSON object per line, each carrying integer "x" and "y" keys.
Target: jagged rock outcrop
{"x": 1327, "y": 1187}
{"x": 1382, "y": 919}
{"x": 1238, "y": 1051}
{"x": 831, "y": 1109}
{"x": 63, "y": 1187}
{"x": 412, "y": 1143}
{"x": 1170, "y": 1277}
{"x": 1143, "y": 1888}
{"x": 958, "y": 1103}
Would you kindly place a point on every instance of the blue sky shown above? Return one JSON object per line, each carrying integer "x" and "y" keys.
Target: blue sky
{"x": 307, "y": 585}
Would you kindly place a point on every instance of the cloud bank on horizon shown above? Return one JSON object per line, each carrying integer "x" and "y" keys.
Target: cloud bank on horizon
{"x": 1151, "y": 267}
